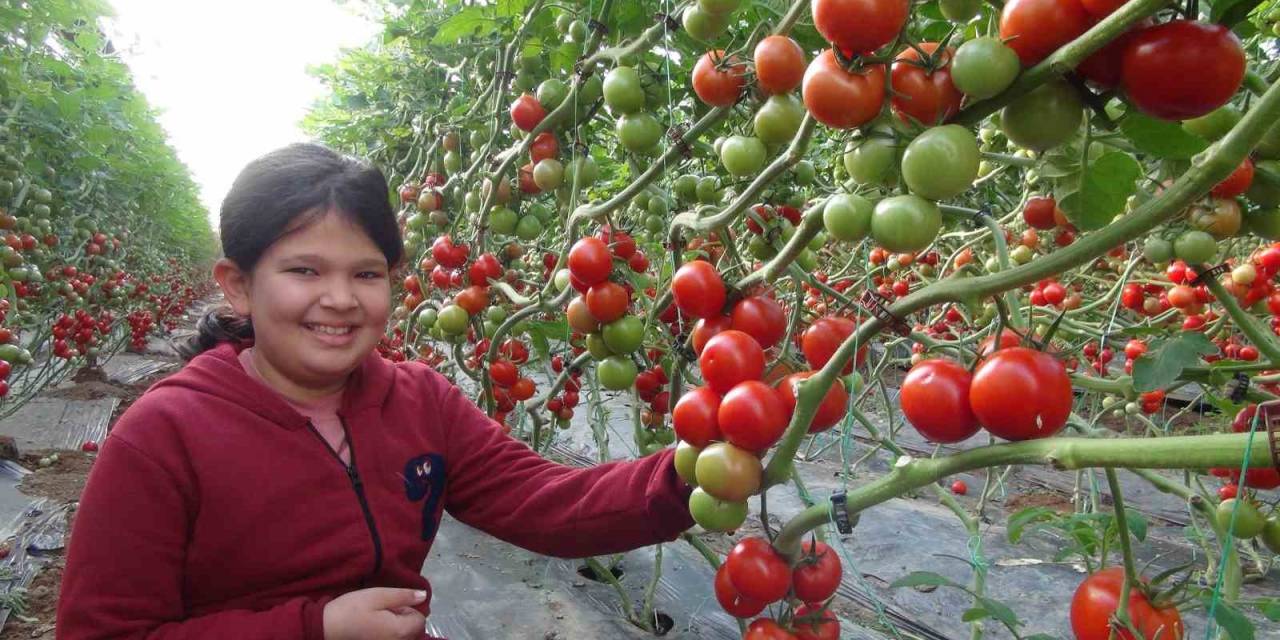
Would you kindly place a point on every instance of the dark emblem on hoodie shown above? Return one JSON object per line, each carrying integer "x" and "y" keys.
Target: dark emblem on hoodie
{"x": 424, "y": 479}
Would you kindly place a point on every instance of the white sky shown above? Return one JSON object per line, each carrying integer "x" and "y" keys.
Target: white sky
{"x": 229, "y": 76}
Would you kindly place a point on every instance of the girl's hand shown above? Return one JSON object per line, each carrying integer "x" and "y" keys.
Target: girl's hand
{"x": 375, "y": 614}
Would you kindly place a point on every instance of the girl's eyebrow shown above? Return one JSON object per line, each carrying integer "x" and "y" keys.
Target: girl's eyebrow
{"x": 367, "y": 263}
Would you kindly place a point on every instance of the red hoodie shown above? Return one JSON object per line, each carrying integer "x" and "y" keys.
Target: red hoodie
{"x": 215, "y": 510}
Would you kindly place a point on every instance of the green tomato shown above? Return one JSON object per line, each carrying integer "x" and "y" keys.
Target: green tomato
{"x": 495, "y": 313}
{"x": 548, "y": 174}
{"x": 685, "y": 460}
{"x": 959, "y": 11}
{"x": 503, "y": 221}
{"x": 616, "y": 373}
{"x": 905, "y": 223}
{"x": 807, "y": 260}
{"x": 847, "y": 217}
{"x": 1215, "y": 124}
{"x": 804, "y": 172}
{"x": 452, "y": 320}
{"x": 562, "y": 279}
{"x": 941, "y": 163}
{"x": 686, "y": 188}
{"x": 654, "y": 224}
{"x": 551, "y": 93}
{"x": 870, "y": 161}
{"x": 452, "y": 161}
{"x": 427, "y": 319}
{"x": 623, "y": 91}
{"x": 639, "y": 132}
{"x": 760, "y": 248}
{"x": 590, "y": 90}
{"x": 1264, "y": 223}
{"x": 742, "y": 156}
{"x": 818, "y": 241}
{"x": 716, "y": 515}
{"x": 727, "y": 472}
{"x": 581, "y": 172}
{"x": 472, "y": 201}
{"x": 624, "y": 335}
{"x": 703, "y": 26}
{"x": 562, "y": 23}
{"x": 1195, "y": 247}
{"x": 1044, "y": 118}
{"x": 1157, "y": 250}
{"x": 578, "y": 31}
{"x": 1271, "y": 534}
{"x": 525, "y": 80}
{"x": 983, "y": 67}
{"x": 778, "y": 119}
{"x": 1248, "y": 522}
{"x": 658, "y": 206}
{"x": 597, "y": 347}
{"x": 1021, "y": 254}
{"x": 708, "y": 190}
{"x": 529, "y": 228}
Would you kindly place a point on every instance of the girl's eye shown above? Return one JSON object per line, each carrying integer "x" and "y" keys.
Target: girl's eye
{"x": 369, "y": 275}
{"x": 302, "y": 270}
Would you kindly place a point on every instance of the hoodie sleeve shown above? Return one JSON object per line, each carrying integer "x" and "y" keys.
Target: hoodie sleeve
{"x": 499, "y": 485}
{"x": 123, "y": 577}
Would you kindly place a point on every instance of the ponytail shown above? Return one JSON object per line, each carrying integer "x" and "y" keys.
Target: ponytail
{"x": 216, "y": 326}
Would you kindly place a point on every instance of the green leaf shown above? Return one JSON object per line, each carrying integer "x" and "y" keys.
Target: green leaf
{"x": 1270, "y": 608}
{"x": 1230, "y": 12}
{"x": 462, "y": 23}
{"x": 1105, "y": 185}
{"x": 1019, "y": 521}
{"x": 976, "y": 613}
{"x": 1232, "y": 621}
{"x": 1159, "y": 369}
{"x": 923, "y": 579}
{"x": 1161, "y": 138}
{"x": 1001, "y": 612}
{"x": 1137, "y": 524}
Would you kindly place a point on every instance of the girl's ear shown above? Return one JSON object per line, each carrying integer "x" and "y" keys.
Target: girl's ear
{"x": 234, "y": 283}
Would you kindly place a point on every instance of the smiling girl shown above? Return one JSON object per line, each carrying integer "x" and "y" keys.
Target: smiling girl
{"x": 287, "y": 483}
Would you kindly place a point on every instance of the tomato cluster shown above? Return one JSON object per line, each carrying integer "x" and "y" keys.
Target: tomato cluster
{"x": 755, "y": 575}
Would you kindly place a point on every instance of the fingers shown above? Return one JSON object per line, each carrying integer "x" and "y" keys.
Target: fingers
{"x": 393, "y": 599}
{"x": 411, "y": 625}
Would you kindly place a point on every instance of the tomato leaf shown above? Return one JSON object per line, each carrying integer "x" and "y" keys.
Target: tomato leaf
{"x": 1001, "y": 612}
{"x": 1237, "y": 626}
{"x": 923, "y": 579}
{"x": 1019, "y": 521}
{"x": 462, "y": 23}
{"x": 1137, "y": 524}
{"x": 976, "y": 613}
{"x": 1159, "y": 367}
{"x": 1160, "y": 138}
{"x": 1104, "y": 186}
{"x": 1230, "y": 12}
{"x": 1270, "y": 607}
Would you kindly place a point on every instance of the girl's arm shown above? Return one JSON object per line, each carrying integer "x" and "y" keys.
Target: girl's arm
{"x": 123, "y": 578}
{"x": 499, "y": 485}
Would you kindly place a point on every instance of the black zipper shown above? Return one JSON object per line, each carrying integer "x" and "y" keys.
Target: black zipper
{"x": 354, "y": 475}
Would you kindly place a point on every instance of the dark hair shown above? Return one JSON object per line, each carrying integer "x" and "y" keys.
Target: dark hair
{"x": 301, "y": 181}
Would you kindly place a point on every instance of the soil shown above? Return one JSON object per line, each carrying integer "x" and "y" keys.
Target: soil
{"x": 62, "y": 481}
{"x": 1055, "y": 501}
{"x": 37, "y": 620}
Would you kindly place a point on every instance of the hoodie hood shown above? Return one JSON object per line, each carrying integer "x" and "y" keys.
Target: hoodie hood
{"x": 217, "y": 372}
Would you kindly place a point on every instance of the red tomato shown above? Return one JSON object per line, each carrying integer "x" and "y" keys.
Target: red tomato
{"x": 1039, "y": 212}
{"x": 474, "y": 299}
{"x": 1102, "y": 8}
{"x": 698, "y": 289}
{"x": 1008, "y": 338}
{"x": 1236, "y": 183}
{"x": 820, "y": 341}
{"x": 812, "y": 622}
{"x": 503, "y": 373}
{"x": 1182, "y": 69}
{"x": 757, "y": 571}
{"x": 1260, "y": 477}
{"x": 705, "y": 328}
{"x": 959, "y": 487}
{"x": 590, "y": 260}
{"x": 929, "y": 98}
{"x": 779, "y": 65}
{"x": 527, "y": 185}
{"x": 761, "y": 318}
{"x": 842, "y": 99}
{"x": 730, "y": 357}
{"x": 1036, "y": 28}
{"x": 1037, "y": 381}
{"x": 767, "y": 629}
{"x": 694, "y": 417}
{"x": 859, "y": 26}
{"x": 830, "y": 411}
{"x": 1096, "y": 600}
{"x": 817, "y": 575}
{"x": 527, "y": 112}
{"x": 935, "y": 400}
{"x": 544, "y": 146}
{"x": 734, "y": 603}
{"x": 523, "y": 389}
{"x": 752, "y": 416}
{"x": 607, "y": 301}
{"x": 718, "y": 81}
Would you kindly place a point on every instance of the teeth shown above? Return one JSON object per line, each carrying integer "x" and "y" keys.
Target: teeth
{"x": 333, "y": 331}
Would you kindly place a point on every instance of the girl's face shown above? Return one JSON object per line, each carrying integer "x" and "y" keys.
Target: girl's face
{"x": 319, "y": 299}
